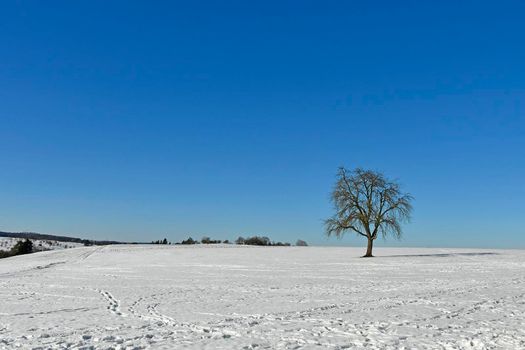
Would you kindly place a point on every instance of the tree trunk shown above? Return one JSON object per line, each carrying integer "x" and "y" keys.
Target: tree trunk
{"x": 369, "y": 249}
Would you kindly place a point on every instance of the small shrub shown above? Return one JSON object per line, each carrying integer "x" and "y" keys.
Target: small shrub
{"x": 301, "y": 243}
{"x": 23, "y": 247}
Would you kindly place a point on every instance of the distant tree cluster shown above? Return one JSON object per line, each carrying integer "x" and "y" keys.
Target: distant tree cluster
{"x": 261, "y": 241}
{"x": 208, "y": 240}
{"x": 161, "y": 241}
{"x": 21, "y": 247}
{"x": 301, "y": 243}
{"x": 189, "y": 241}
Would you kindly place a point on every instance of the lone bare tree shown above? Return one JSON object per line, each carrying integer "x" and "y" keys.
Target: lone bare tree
{"x": 369, "y": 204}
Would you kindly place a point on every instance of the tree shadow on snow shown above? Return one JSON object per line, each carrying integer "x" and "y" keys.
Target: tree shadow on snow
{"x": 439, "y": 255}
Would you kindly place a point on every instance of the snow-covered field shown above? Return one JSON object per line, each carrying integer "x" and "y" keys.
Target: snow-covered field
{"x": 232, "y": 297}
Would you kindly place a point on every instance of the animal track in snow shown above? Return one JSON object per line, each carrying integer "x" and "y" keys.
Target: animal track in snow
{"x": 113, "y": 304}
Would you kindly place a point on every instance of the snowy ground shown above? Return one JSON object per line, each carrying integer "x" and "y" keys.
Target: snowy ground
{"x": 234, "y": 297}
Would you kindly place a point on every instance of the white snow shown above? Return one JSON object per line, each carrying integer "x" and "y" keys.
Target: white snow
{"x": 231, "y": 297}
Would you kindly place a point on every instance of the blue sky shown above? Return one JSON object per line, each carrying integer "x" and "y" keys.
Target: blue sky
{"x": 143, "y": 120}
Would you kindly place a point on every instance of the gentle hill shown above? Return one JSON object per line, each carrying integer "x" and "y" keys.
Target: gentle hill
{"x": 48, "y": 237}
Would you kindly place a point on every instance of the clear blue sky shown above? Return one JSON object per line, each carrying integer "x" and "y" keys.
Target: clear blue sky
{"x": 143, "y": 120}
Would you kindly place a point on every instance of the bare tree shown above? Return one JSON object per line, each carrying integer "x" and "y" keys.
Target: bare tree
{"x": 368, "y": 204}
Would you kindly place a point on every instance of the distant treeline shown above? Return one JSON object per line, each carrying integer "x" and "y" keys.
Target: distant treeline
{"x": 45, "y": 237}
{"x": 255, "y": 240}
{"x": 204, "y": 240}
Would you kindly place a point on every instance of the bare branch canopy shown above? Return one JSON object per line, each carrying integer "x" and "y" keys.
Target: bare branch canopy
{"x": 368, "y": 204}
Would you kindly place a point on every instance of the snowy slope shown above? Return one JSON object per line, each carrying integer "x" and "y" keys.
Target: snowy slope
{"x": 233, "y": 297}
{"x": 6, "y": 243}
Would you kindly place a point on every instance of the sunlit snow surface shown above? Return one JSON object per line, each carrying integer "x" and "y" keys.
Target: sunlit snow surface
{"x": 233, "y": 297}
